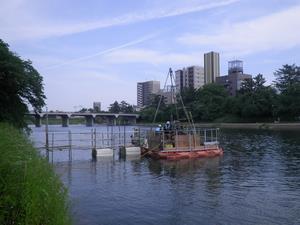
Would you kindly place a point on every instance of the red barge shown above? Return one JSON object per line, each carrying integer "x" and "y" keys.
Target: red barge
{"x": 182, "y": 144}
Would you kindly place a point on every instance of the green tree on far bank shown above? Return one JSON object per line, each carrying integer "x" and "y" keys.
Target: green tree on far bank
{"x": 126, "y": 108}
{"x": 122, "y": 107}
{"x": 114, "y": 107}
{"x": 20, "y": 85}
{"x": 210, "y": 102}
{"x": 288, "y": 83}
{"x": 255, "y": 101}
{"x": 286, "y": 77}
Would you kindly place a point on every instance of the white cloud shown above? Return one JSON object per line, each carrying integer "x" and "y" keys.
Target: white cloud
{"x": 136, "y": 55}
{"x": 273, "y": 32}
{"x": 121, "y": 55}
{"x": 26, "y": 26}
{"x": 103, "y": 52}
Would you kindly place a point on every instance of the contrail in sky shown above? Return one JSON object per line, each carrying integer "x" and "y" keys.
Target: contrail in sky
{"x": 131, "y": 43}
{"x": 39, "y": 27}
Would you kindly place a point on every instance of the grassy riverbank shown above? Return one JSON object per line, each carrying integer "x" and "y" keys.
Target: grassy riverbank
{"x": 30, "y": 192}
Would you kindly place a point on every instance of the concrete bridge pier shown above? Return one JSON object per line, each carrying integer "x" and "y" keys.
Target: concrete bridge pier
{"x": 38, "y": 121}
{"x": 132, "y": 120}
{"x": 129, "y": 120}
{"x": 112, "y": 121}
{"x": 65, "y": 121}
{"x": 89, "y": 121}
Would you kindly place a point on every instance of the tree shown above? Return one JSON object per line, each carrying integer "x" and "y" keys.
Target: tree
{"x": 287, "y": 76}
{"x": 255, "y": 100}
{"x": 125, "y": 107}
{"x": 247, "y": 86}
{"x": 83, "y": 110}
{"x": 210, "y": 102}
{"x": 155, "y": 99}
{"x": 147, "y": 114}
{"x": 288, "y": 84}
{"x": 115, "y": 107}
{"x": 188, "y": 95}
{"x": 20, "y": 85}
{"x": 250, "y": 85}
{"x": 289, "y": 103}
{"x": 259, "y": 82}
{"x": 96, "y": 109}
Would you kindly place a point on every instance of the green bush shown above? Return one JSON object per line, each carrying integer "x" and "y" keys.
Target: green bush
{"x": 30, "y": 192}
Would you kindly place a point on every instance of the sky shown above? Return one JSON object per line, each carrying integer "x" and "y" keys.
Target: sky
{"x": 98, "y": 50}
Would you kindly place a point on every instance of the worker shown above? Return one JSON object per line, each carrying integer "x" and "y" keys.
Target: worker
{"x": 158, "y": 128}
{"x": 167, "y": 125}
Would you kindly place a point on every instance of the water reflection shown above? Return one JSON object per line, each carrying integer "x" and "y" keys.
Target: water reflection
{"x": 182, "y": 167}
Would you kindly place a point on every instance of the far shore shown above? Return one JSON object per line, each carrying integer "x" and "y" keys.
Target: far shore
{"x": 261, "y": 126}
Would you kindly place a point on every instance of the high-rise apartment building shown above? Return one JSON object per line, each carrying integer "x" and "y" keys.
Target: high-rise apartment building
{"x": 211, "y": 67}
{"x": 233, "y": 81}
{"x": 145, "y": 90}
{"x": 189, "y": 77}
{"x": 179, "y": 80}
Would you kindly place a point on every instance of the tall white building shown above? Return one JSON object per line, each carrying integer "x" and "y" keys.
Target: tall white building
{"x": 144, "y": 92}
{"x": 189, "y": 77}
{"x": 211, "y": 67}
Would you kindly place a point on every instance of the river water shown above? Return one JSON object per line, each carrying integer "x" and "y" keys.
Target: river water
{"x": 257, "y": 181}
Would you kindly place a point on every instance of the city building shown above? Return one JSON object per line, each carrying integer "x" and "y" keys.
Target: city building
{"x": 189, "y": 77}
{"x": 169, "y": 95}
{"x": 211, "y": 67}
{"x": 179, "y": 80}
{"x": 97, "y": 106}
{"x": 145, "y": 91}
{"x": 233, "y": 81}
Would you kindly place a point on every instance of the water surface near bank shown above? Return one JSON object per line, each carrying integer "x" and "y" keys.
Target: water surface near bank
{"x": 257, "y": 181}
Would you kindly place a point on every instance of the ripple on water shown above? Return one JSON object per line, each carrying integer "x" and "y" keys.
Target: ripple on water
{"x": 257, "y": 181}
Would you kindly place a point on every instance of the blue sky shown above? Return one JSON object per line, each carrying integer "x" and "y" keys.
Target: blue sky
{"x": 98, "y": 50}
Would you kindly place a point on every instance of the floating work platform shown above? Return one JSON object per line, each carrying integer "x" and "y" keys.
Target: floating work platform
{"x": 130, "y": 151}
{"x": 133, "y": 150}
{"x": 179, "y": 154}
{"x": 183, "y": 144}
{"x": 103, "y": 152}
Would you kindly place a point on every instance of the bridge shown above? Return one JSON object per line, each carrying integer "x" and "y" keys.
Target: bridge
{"x": 89, "y": 117}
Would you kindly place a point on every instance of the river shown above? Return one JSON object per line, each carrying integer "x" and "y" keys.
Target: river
{"x": 257, "y": 181}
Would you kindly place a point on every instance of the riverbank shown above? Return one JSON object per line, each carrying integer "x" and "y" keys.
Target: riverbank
{"x": 31, "y": 193}
{"x": 259, "y": 126}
